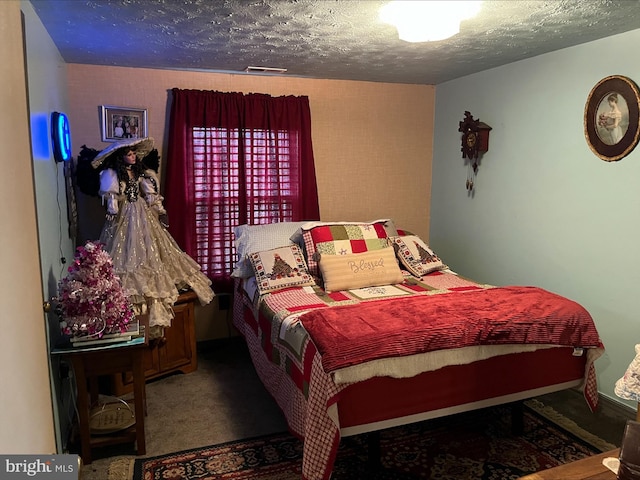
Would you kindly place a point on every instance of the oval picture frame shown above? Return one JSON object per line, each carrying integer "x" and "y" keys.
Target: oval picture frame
{"x": 611, "y": 118}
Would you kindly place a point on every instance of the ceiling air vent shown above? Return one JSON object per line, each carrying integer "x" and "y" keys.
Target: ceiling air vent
{"x": 265, "y": 70}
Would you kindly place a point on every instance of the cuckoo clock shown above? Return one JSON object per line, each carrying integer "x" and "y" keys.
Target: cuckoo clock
{"x": 475, "y": 141}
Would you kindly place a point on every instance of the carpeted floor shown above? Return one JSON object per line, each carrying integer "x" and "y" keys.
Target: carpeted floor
{"x": 224, "y": 401}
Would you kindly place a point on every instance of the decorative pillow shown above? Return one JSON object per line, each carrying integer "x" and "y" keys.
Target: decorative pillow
{"x": 342, "y": 239}
{"x": 416, "y": 256}
{"x": 388, "y": 224}
{"x": 359, "y": 270}
{"x": 280, "y": 268}
{"x": 257, "y": 238}
{"x": 390, "y": 227}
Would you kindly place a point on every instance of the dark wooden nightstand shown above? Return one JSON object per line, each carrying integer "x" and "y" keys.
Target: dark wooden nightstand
{"x": 93, "y": 361}
{"x": 175, "y": 352}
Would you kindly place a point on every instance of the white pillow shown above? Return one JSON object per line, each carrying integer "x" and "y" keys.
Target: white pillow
{"x": 257, "y": 238}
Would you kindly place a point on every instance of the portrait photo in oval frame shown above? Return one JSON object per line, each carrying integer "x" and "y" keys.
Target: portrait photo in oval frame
{"x": 611, "y": 118}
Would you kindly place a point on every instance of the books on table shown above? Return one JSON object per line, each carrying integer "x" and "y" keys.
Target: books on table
{"x": 133, "y": 330}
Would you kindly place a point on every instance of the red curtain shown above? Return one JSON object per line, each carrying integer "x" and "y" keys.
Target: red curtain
{"x": 235, "y": 158}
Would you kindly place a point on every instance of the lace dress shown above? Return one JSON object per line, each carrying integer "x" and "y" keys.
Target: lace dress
{"x": 149, "y": 262}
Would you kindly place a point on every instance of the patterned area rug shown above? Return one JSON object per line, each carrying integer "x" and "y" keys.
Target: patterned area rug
{"x": 470, "y": 446}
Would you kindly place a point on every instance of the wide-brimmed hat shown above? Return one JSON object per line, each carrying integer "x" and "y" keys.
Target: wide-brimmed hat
{"x": 142, "y": 147}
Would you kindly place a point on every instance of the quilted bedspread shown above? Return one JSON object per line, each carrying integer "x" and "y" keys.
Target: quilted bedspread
{"x": 300, "y": 338}
{"x": 350, "y": 335}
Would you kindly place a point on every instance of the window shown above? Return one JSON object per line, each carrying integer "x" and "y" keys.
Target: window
{"x": 266, "y": 178}
{"x": 235, "y": 159}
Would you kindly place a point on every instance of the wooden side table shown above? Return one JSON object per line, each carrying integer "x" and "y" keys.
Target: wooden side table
{"x": 93, "y": 361}
{"x": 175, "y": 352}
{"x": 590, "y": 468}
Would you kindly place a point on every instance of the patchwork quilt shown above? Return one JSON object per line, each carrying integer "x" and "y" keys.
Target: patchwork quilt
{"x": 308, "y": 345}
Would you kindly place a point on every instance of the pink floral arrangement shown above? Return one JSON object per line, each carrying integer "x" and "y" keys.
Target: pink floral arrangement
{"x": 91, "y": 298}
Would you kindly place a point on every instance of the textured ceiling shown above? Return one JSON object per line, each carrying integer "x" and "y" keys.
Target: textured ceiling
{"x": 335, "y": 39}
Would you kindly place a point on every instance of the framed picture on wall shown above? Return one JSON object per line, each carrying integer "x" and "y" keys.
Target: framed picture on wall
{"x": 122, "y": 122}
{"x": 611, "y": 118}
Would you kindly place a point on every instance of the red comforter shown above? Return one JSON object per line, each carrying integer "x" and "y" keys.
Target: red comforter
{"x": 352, "y": 334}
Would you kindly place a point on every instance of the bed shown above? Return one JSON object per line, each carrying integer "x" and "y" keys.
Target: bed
{"x": 354, "y": 327}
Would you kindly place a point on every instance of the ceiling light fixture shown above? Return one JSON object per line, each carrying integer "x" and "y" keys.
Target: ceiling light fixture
{"x": 428, "y": 21}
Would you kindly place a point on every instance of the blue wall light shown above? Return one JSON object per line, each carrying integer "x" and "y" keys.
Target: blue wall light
{"x": 60, "y": 137}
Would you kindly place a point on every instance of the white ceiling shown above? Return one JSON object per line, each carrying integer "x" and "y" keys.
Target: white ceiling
{"x": 334, "y": 39}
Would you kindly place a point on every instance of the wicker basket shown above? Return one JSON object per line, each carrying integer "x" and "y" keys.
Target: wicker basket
{"x": 111, "y": 416}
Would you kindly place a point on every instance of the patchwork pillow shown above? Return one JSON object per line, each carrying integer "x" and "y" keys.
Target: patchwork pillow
{"x": 416, "y": 256}
{"x": 280, "y": 268}
{"x": 359, "y": 270}
{"x": 388, "y": 224}
{"x": 256, "y": 238}
{"x": 342, "y": 239}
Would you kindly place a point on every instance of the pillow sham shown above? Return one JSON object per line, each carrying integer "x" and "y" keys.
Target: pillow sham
{"x": 388, "y": 224}
{"x": 257, "y": 238}
{"x": 342, "y": 239}
{"x": 359, "y": 270}
{"x": 279, "y": 268}
{"x": 416, "y": 256}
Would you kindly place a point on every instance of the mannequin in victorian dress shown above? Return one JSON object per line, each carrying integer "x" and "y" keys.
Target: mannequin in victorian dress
{"x": 150, "y": 264}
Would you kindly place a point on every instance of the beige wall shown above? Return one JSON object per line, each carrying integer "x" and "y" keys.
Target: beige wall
{"x": 372, "y": 141}
{"x": 26, "y": 415}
